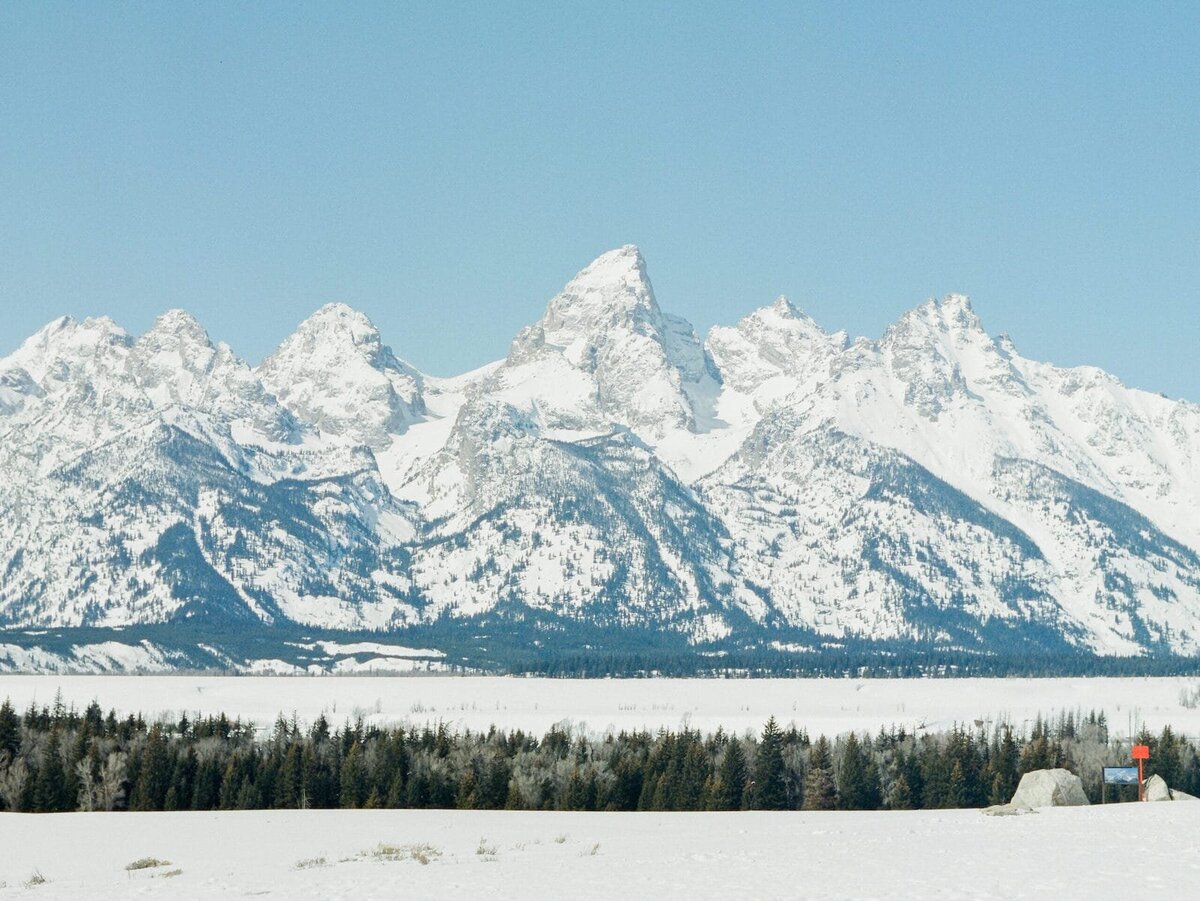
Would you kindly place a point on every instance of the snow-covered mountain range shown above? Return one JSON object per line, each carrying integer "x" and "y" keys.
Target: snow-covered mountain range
{"x": 769, "y": 485}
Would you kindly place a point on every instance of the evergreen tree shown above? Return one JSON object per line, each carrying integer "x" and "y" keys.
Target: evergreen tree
{"x": 353, "y": 779}
{"x": 1165, "y": 758}
{"x": 289, "y": 787}
{"x": 770, "y": 793}
{"x": 956, "y": 789}
{"x": 1004, "y": 768}
{"x": 50, "y": 787}
{"x": 206, "y": 790}
{"x": 154, "y": 773}
{"x": 466, "y": 796}
{"x": 901, "y": 797}
{"x": 231, "y": 785}
{"x": 693, "y": 774}
{"x": 731, "y": 778}
{"x": 493, "y": 789}
{"x": 1041, "y": 754}
{"x": 858, "y": 778}
{"x": 10, "y": 730}
{"x": 820, "y": 790}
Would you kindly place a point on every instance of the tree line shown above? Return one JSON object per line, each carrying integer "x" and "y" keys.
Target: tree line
{"x": 55, "y": 758}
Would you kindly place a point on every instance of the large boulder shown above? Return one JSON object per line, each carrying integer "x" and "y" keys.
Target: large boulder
{"x": 1156, "y": 789}
{"x": 1049, "y": 788}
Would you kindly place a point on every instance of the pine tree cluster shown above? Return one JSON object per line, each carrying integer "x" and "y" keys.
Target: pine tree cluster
{"x": 57, "y": 759}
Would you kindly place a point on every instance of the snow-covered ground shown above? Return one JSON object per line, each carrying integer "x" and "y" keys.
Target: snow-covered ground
{"x": 830, "y": 706}
{"x": 1127, "y": 850}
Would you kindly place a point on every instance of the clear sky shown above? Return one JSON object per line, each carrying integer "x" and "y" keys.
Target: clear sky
{"x": 447, "y": 167}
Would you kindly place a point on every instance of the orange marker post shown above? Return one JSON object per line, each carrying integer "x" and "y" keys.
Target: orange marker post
{"x": 1141, "y": 753}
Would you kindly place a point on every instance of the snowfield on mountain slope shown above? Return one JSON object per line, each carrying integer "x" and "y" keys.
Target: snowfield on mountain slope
{"x": 821, "y": 706}
{"x": 1122, "y": 850}
{"x": 614, "y": 469}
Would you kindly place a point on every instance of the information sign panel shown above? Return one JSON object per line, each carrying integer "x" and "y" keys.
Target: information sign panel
{"x": 1121, "y": 775}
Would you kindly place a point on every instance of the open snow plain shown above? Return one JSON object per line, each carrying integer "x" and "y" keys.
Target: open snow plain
{"x": 829, "y": 706}
{"x": 1126, "y": 850}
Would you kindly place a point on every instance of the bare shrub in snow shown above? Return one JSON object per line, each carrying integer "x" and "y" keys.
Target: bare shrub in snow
{"x": 36, "y": 879}
{"x": 104, "y": 791}
{"x": 13, "y": 776}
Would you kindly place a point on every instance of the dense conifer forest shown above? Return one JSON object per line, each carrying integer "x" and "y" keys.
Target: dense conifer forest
{"x": 55, "y": 758}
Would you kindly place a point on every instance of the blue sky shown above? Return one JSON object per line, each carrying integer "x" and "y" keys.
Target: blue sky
{"x": 447, "y": 167}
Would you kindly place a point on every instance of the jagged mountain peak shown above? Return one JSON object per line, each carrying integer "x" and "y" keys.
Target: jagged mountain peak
{"x": 177, "y": 342}
{"x": 178, "y": 367}
{"x": 951, "y": 315}
{"x": 775, "y": 340}
{"x": 67, "y": 330}
{"x": 336, "y": 373}
{"x": 622, "y": 265}
{"x": 339, "y": 321}
{"x": 783, "y": 314}
{"x": 337, "y": 334}
{"x": 180, "y": 323}
{"x": 613, "y": 292}
{"x": 941, "y": 351}
{"x": 65, "y": 347}
{"x": 623, "y": 360}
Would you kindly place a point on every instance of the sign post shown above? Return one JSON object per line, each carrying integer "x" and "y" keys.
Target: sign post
{"x": 1141, "y": 753}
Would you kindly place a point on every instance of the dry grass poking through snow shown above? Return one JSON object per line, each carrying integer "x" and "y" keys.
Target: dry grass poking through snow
{"x": 36, "y": 879}
{"x": 421, "y": 853}
{"x": 146, "y": 863}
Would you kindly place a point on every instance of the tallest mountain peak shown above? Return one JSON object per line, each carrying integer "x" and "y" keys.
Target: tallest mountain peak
{"x": 616, "y": 278}
{"x": 613, "y": 288}
{"x": 611, "y": 294}
{"x": 606, "y": 325}
{"x": 627, "y": 258}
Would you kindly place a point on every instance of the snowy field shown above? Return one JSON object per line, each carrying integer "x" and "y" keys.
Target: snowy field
{"x": 829, "y": 706}
{"x": 1127, "y": 850}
